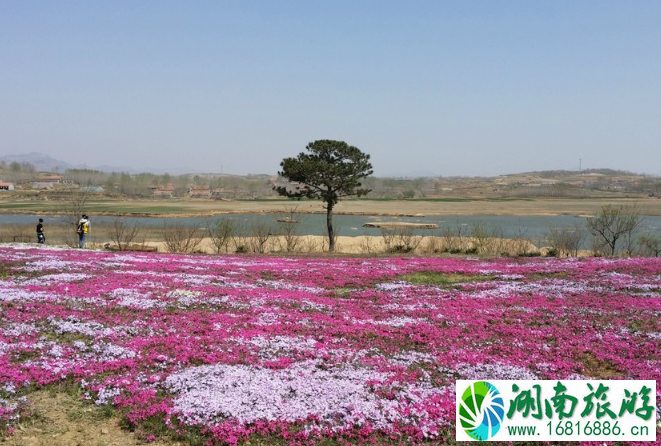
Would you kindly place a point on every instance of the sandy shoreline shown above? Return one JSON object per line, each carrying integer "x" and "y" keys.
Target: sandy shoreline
{"x": 363, "y": 244}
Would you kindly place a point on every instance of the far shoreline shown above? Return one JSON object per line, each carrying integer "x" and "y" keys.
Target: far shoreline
{"x": 175, "y": 208}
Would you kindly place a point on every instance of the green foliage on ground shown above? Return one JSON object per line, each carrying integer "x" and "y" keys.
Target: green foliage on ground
{"x": 440, "y": 278}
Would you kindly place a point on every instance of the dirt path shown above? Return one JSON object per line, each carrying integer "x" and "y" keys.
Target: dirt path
{"x": 62, "y": 420}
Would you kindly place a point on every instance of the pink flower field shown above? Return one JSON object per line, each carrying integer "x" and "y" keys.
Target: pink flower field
{"x": 306, "y": 350}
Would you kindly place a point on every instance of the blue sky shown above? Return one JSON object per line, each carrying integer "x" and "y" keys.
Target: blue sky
{"x": 470, "y": 88}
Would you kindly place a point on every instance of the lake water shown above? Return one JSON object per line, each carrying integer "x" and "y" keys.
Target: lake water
{"x": 530, "y": 227}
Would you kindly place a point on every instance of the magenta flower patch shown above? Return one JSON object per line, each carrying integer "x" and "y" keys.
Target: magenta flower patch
{"x": 301, "y": 349}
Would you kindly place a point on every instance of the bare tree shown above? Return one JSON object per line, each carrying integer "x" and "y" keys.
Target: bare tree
{"x": 611, "y": 224}
{"x": 123, "y": 233}
{"x": 651, "y": 244}
{"x": 480, "y": 237}
{"x": 312, "y": 244}
{"x": 181, "y": 238}
{"x": 566, "y": 241}
{"x": 435, "y": 244}
{"x": 521, "y": 243}
{"x": 288, "y": 228}
{"x": 400, "y": 240}
{"x": 453, "y": 237}
{"x": 241, "y": 238}
{"x": 260, "y": 235}
{"x": 368, "y": 246}
{"x": 220, "y": 232}
{"x": 75, "y": 206}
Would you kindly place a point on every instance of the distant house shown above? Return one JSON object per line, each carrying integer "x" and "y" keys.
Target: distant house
{"x": 166, "y": 191}
{"x": 91, "y": 189}
{"x": 158, "y": 193}
{"x": 6, "y": 186}
{"x": 220, "y": 193}
{"x": 42, "y": 185}
{"x": 52, "y": 178}
{"x": 199, "y": 191}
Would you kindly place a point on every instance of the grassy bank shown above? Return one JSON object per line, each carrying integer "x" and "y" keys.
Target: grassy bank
{"x": 449, "y": 206}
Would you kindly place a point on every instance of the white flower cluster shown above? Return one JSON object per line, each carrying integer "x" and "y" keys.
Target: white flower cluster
{"x": 409, "y": 358}
{"x": 493, "y": 371}
{"x": 57, "y": 351}
{"x": 9, "y": 388}
{"x": 71, "y": 325}
{"x": 46, "y": 264}
{"x": 9, "y": 293}
{"x": 267, "y": 319}
{"x": 19, "y": 329}
{"x": 281, "y": 285}
{"x": 10, "y": 410}
{"x": 338, "y": 397}
{"x": 138, "y": 302}
{"x": 186, "y": 298}
{"x": 410, "y": 307}
{"x": 190, "y": 279}
{"x": 56, "y": 367}
{"x": 119, "y": 293}
{"x": 58, "y": 278}
{"x": 110, "y": 352}
{"x": 106, "y": 395}
{"x": 399, "y": 321}
{"x": 308, "y": 305}
{"x": 281, "y": 345}
{"x": 556, "y": 288}
{"x": 486, "y": 271}
{"x": 393, "y": 286}
{"x": 511, "y": 276}
{"x": 79, "y": 345}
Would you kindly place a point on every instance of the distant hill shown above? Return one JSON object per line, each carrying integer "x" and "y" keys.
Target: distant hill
{"x": 40, "y": 161}
{"x": 46, "y": 163}
{"x": 566, "y": 173}
{"x": 413, "y": 174}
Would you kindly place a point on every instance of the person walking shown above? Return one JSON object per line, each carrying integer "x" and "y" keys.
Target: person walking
{"x": 83, "y": 229}
{"x": 41, "y": 237}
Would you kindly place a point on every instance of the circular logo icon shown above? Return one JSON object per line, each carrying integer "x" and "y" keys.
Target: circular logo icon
{"x": 481, "y": 410}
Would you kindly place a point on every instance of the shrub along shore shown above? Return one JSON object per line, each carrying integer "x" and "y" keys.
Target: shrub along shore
{"x": 179, "y": 238}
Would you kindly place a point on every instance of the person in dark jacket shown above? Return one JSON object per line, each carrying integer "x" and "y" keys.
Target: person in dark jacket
{"x": 41, "y": 237}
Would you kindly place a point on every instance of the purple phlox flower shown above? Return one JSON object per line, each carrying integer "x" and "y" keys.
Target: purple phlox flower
{"x": 111, "y": 352}
{"x": 493, "y": 371}
{"x": 337, "y": 398}
{"x": 281, "y": 345}
{"x": 393, "y": 286}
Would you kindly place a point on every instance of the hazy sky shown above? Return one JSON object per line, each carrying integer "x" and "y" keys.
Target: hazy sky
{"x": 446, "y": 87}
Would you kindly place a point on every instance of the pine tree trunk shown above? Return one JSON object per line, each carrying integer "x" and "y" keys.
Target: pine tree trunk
{"x": 329, "y": 226}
